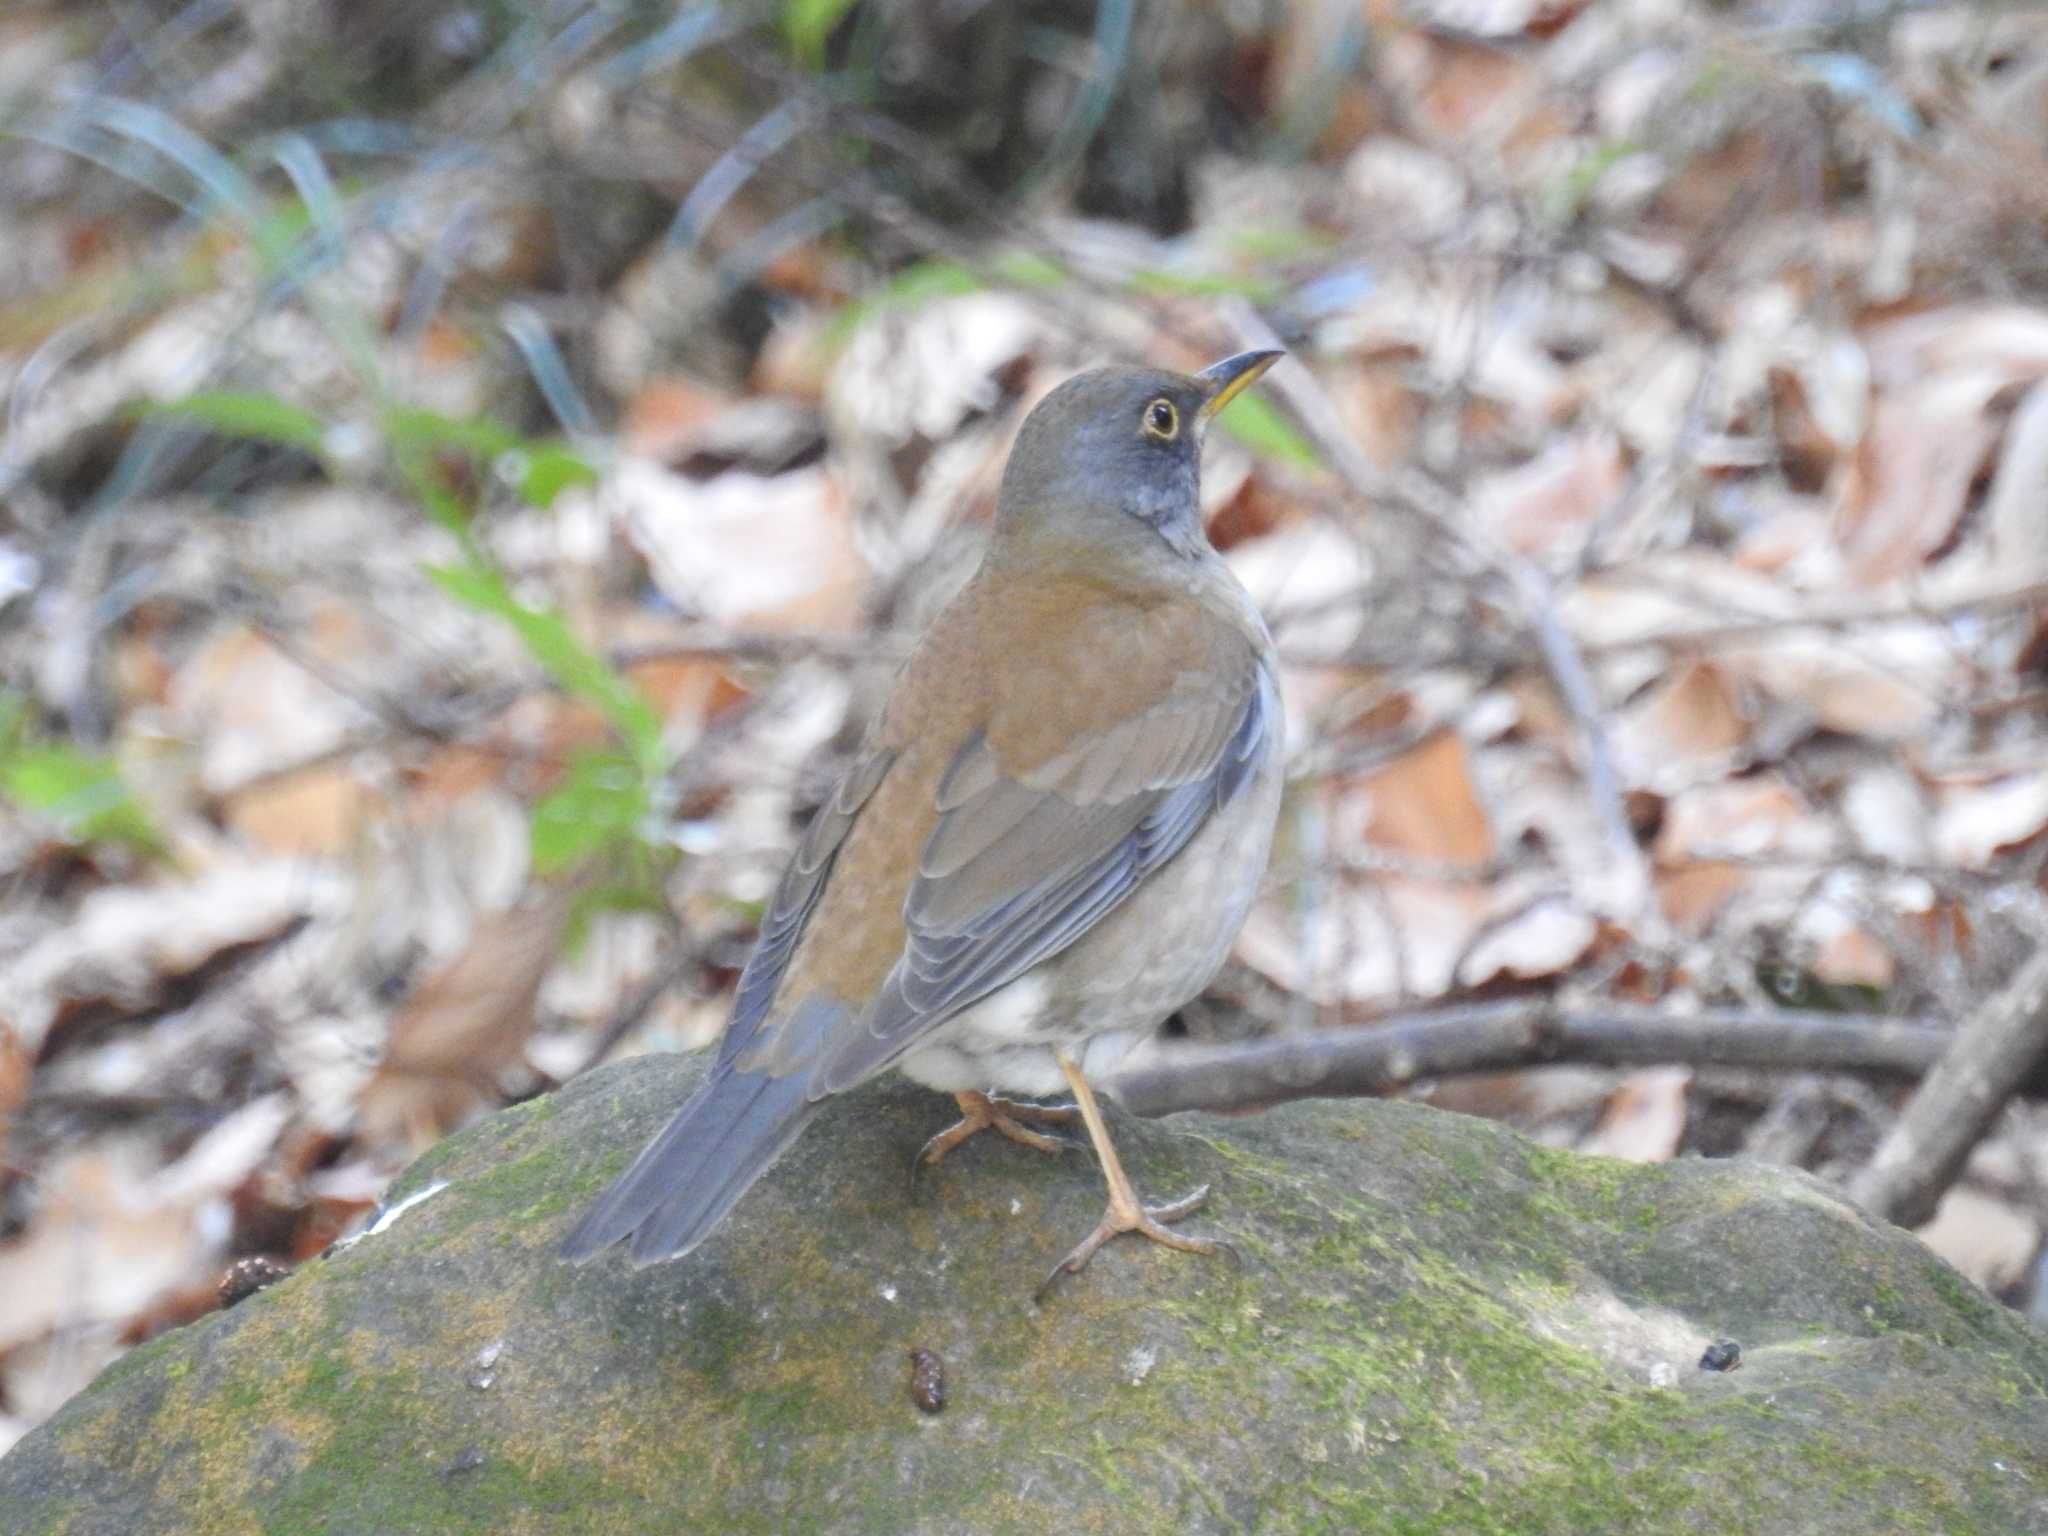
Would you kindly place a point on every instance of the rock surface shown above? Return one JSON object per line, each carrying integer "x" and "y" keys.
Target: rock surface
{"x": 1436, "y": 1326}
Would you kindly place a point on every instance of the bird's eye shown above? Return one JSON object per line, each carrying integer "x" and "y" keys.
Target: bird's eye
{"x": 1162, "y": 421}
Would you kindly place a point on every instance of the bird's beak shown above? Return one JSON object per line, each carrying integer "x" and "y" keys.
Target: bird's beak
{"x": 1226, "y": 380}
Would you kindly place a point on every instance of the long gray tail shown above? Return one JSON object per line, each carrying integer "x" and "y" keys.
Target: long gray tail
{"x": 691, "y": 1174}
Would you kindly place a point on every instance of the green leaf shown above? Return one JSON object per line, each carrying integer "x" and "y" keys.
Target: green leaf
{"x": 261, "y": 418}
{"x": 84, "y": 794}
{"x": 602, "y": 800}
{"x": 545, "y": 470}
{"x": 481, "y": 437}
{"x": 1255, "y": 423}
{"x": 442, "y": 504}
{"x": 808, "y": 24}
{"x": 541, "y": 470}
{"x": 549, "y": 641}
{"x": 1027, "y": 269}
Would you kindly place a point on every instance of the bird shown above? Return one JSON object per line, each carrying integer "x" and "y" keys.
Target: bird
{"x": 1045, "y": 846}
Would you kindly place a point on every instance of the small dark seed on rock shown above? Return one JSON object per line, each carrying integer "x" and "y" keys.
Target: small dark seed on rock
{"x": 927, "y": 1380}
{"x": 1722, "y": 1355}
{"x": 245, "y": 1277}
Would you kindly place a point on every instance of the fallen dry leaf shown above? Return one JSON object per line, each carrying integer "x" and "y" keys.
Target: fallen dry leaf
{"x": 1423, "y": 804}
{"x": 1888, "y": 813}
{"x": 1905, "y": 487}
{"x": 253, "y": 709}
{"x": 1942, "y": 379}
{"x": 762, "y": 551}
{"x": 1990, "y": 1239}
{"x": 1691, "y": 897}
{"x": 1545, "y": 506}
{"x": 1743, "y": 818}
{"x": 796, "y": 359}
{"x": 1889, "y": 683}
{"x": 665, "y": 414}
{"x": 1756, "y": 818}
{"x": 2014, "y": 521}
{"x": 1974, "y": 821}
{"x": 1645, "y": 1120}
{"x": 1793, "y": 544}
{"x": 1690, "y": 725}
{"x": 1390, "y": 939}
{"x": 125, "y": 942}
{"x": 1461, "y": 84}
{"x": 1543, "y": 1101}
{"x": 1302, "y": 574}
{"x": 96, "y": 1251}
{"x": 16, "y": 1068}
{"x": 1667, "y": 595}
{"x": 1400, "y": 183}
{"x": 1541, "y": 940}
{"x": 2010, "y": 340}
{"x": 316, "y": 813}
{"x": 37, "y": 1377}
{"x": 1838, "y": 949}
{"x": 465, "y": 1025}
{"x": 224, "y": 1157}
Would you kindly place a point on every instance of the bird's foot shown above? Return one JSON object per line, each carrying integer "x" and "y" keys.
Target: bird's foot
{"x": 1125, "y": 1214}
{"x": 1006, "y": 1117}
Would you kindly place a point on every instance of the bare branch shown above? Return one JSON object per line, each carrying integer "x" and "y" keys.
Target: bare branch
{"x": 1994, "y": 1051}
{"x": 1496, "y": 1037}
{"x": 1835, "y": 617}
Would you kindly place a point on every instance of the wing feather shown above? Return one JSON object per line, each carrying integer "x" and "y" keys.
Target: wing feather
{"x": 789, "y": 910}
{"x": 996, "y": 907}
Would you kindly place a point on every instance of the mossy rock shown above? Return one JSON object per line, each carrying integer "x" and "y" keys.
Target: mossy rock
{"x": 1434, "y": 1326}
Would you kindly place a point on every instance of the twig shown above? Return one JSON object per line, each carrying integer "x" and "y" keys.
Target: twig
{"x": 734, "y": 645}
{"x": 1573, "y": 684}
{"x": 1997, "y": 1047}
{"x": 1495, "y": 1037}
{"x": 1828, "y": 617}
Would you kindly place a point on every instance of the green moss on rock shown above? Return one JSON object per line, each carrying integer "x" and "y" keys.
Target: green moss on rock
{"x": 1435, "y": 1326}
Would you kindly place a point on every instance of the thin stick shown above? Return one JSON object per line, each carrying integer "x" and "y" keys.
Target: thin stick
{"x": 1989, "y": 1057}
{"x": 1497, "y": 1037}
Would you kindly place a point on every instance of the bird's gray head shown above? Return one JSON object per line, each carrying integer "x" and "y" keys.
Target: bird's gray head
{"x": 1119, "y": 450}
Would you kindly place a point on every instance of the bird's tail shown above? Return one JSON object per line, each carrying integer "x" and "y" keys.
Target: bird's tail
{"x": 688, "y": 1178}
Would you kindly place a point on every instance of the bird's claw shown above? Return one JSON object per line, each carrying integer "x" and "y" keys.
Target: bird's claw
{"x": 979, "y": 1112}
{"x": 1145, "y": 1220}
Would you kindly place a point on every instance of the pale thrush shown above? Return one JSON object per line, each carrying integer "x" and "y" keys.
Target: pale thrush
{"x": 1047, "y": 844}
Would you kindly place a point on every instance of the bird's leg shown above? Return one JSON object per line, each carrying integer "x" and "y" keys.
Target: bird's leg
{"x": 979, "y": 1112}
{"x": 1125, "y": 1212}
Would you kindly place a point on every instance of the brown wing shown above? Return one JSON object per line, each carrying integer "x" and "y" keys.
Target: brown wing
{"x": 1052, "y": 745}
{"x": 796, "y": 897}
{"x": 978, "y": 923}
{"x": 1112, "y": 737}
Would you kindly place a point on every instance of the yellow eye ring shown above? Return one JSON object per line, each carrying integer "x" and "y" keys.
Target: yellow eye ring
{"x": 1161, "y": 420}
